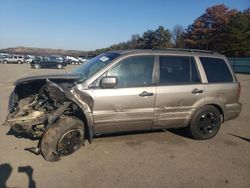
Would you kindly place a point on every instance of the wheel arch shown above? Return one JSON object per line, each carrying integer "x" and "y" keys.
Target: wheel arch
{"x": 216, "y": 105}
{"x": 88, "y": 123}
{"x": 85, "y": 105}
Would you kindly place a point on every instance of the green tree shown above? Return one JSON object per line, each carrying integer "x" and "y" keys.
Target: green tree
{"x": 148, "y": 40}
{"x": 159, "y": 38}
{"x": 236, "y": 39}
{"x": 163, "y": 37}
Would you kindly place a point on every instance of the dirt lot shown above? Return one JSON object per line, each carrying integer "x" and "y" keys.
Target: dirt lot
{"x": 154, "y": 159}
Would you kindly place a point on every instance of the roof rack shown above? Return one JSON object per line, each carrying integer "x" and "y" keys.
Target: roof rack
{"x": 185, "y": 50}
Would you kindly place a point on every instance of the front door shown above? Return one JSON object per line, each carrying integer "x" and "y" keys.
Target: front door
{"x": 130, "y": 105}
{"x": 179, "y": 91}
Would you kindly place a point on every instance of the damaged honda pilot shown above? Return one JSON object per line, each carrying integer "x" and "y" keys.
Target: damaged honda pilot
{"x": 125, "y": 91}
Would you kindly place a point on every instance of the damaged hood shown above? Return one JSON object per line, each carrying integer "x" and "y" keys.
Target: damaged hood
{"x": 65, "y": 76}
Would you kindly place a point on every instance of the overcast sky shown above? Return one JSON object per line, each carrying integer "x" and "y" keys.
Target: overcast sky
{"x": 91, "y": 24}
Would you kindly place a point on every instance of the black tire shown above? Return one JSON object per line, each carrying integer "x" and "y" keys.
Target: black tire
{"x": 5, "y": 62}
{"x": 19, "y": 62}
{"x": 205, "y": 124}
{"x": 53, "y": 144}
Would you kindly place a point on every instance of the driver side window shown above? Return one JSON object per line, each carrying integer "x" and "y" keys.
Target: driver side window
{"x": 134, "y": 71}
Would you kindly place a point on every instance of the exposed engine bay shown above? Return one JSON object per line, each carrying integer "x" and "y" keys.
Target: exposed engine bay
{"x": 34, "y": 106}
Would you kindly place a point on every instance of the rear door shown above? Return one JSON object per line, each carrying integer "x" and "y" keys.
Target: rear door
{"x": 129, "y": 106}
{"x": 222, "y": 87}
{"x": 179, "y": 91}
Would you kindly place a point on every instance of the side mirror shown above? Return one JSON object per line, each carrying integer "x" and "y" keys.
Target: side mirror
{"x": 108, "y": 82}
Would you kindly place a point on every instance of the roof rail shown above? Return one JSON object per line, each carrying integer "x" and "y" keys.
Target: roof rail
{"x": 185, "y": 50}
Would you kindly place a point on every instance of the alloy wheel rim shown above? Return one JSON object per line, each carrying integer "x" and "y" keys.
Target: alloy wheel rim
{"x": 69, "y": 142}
{"x": 208, "y": 123}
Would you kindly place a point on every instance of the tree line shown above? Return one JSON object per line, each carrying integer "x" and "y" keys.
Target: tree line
{"x": 219, "y": 29}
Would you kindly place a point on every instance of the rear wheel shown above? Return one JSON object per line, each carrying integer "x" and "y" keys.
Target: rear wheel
{"x": 5, "y": 62}
{"x": 205, "y": 123}
{"x": 62, "y": 138}
{"x": 19, "y": 62}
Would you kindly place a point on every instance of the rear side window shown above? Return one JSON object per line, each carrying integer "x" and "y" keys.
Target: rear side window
{"x": 178, "y": 70}
{"x": 216, "y": 70}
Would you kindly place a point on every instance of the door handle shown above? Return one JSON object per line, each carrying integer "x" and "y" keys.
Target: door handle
{"x": 197, "y": 91}
{"x": 145, "y": 93}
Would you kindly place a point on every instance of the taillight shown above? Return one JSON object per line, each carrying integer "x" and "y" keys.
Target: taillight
{"x": 239, "y": 89}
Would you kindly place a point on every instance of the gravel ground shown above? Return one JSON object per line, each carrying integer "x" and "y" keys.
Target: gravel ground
{"x": 151, "y": 159}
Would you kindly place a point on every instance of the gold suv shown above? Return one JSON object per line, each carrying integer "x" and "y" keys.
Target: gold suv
{"x": 126, "y": 91}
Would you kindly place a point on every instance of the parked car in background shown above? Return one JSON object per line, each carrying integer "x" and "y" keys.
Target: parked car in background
{"x": 18, "y": 59}
{"x": 72, "y": 60}
{"x": 82, "y": 59}
{"x": 48, "y": 62}
{"x": 29, "y": 58}
{"x": 3, "y": 56}
{"x": 85, "y": 59}
{"x": 126, "y": 91}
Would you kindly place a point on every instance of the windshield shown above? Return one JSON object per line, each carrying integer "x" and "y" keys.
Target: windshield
{"x": 94, "y": 65}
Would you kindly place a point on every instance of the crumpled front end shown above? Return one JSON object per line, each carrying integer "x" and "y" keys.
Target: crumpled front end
{"x": 35, "y": 105}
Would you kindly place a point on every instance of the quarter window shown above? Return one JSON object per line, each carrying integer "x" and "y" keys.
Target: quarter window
{"x": 178, "y": 70}
{"x": 216, "y": 70}
{"x": 134, "y": 71}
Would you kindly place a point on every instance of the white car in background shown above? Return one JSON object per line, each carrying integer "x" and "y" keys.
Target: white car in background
{"x": 82, "y": 59}
{"x": 19, "y": 59}
{"x": 29, "y": 58}
{"x": 73, "y": 60}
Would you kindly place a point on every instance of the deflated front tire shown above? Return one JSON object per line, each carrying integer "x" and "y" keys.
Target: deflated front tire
{"x": 63, "y": 138}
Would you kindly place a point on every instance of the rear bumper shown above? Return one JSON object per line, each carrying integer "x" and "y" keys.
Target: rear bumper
{"x": 232, "y": 111}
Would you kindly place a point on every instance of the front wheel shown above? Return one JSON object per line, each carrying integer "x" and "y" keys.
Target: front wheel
{"x": 63, "y": 138}
{"x": 206, "y": 123}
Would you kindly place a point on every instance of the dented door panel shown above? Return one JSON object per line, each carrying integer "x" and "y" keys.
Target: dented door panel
{"x": 175, "y": 105}
{"x": 123, "y": 109}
